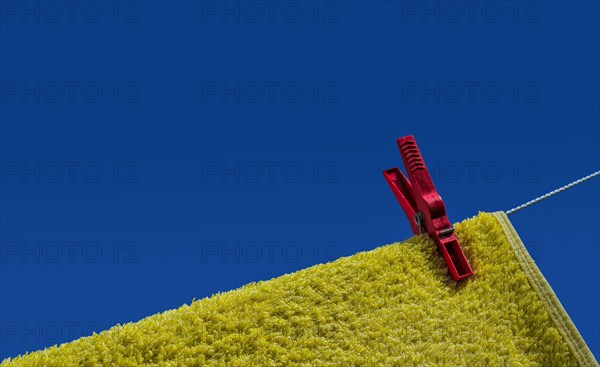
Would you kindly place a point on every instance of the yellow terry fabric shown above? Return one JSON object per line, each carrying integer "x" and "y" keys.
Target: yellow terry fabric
{"x": 393, "y": 306}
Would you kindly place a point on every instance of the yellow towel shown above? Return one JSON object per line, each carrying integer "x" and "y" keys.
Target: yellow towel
{"x": 393, "y": 306}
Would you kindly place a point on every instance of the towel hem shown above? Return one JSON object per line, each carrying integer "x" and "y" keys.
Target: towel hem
{"x": 539, "y": 283}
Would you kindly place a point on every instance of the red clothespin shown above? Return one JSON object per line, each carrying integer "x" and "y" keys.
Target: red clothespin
{"x": 424, "y": 207}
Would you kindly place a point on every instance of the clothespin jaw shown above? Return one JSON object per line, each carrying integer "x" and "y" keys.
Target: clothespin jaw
{"x": 425, "y": 208}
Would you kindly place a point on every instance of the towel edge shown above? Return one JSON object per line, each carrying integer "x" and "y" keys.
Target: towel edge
{"x": 539, "y": 283}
